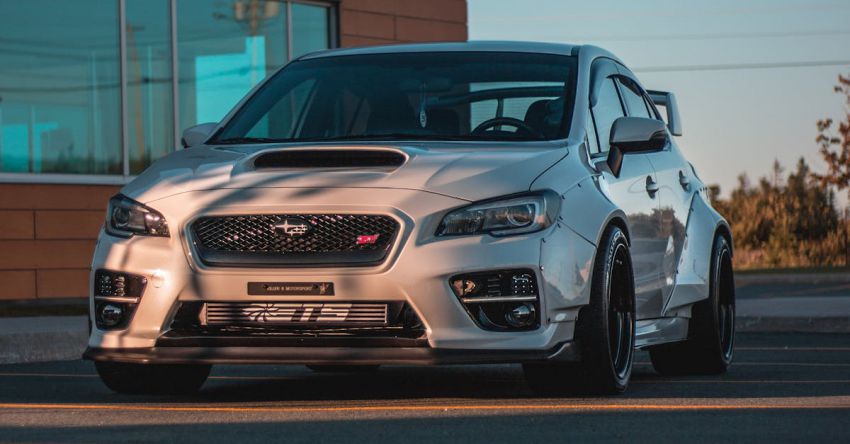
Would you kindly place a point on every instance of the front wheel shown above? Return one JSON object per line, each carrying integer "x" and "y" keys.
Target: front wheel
{"x": 152, "y": 379}
{"x": 605, "y": 330}
{"x": 711, "y": 332}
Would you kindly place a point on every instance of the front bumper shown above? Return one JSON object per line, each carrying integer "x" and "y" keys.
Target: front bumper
{"x": 416, "y": 272}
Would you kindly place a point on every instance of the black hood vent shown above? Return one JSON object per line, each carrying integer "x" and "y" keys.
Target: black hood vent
{"x": 330, "y": 158}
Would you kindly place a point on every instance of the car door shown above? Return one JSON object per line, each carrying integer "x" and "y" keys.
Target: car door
{"x": 633, "y": 191}
{"x": 674, "y": 190}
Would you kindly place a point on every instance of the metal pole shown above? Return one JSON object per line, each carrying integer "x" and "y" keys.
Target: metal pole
{"x": 288, "y": 31}
{"x": 175, "y": 72}
{"x": 122, "y": 50}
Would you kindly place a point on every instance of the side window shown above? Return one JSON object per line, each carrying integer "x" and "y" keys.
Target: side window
{"x": 650, "y": 106}
{"x": 633, "y": 97}
{"x": 608, "y": 109}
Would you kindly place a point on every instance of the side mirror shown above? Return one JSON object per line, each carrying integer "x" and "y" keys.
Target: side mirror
{"x": 667, "y": 100}
{"x": 634, "y": 135}
{"x": 197, "y": 134}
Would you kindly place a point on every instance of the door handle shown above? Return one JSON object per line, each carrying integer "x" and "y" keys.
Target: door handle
{"x": 684, "y": 181}
{"x": 651, "y": 186}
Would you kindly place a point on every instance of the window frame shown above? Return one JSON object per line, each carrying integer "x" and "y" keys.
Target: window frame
{"x": 602, "y": 69}
{"x": 124, "y": 178}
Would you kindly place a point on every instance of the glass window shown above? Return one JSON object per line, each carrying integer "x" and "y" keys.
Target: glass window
{"x": 225, "y": 48}
{"x": 608, "y": 109}
{"x": 60, "y": 101}
{"x": 412, "y": 95}
{"x": 310, "y": 29}
{"x": 653, "y": 111}
{"x": 150, "y": 110}
{"x": 633, "y": 97}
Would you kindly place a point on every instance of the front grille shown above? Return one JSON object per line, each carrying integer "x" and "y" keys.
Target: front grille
{"x": 288, "y": 313}
{"x": 294, "y": 239}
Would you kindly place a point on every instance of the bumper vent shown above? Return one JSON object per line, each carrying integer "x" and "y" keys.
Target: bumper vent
{"x": 294, "y": 239}
{"x": 262, "y": 313}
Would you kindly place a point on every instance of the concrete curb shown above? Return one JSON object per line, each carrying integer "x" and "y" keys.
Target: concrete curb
{"x": 48, "y": 338}
{"x": 764, "y": 324}
{"x": 792, "y": 278}
{"x": 17, "y": 348}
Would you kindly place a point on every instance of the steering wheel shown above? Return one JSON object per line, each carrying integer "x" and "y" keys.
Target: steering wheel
{"x": 521, "y": 126}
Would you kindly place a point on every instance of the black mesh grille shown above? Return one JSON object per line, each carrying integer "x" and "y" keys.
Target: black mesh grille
{"x": 343, "y": 237}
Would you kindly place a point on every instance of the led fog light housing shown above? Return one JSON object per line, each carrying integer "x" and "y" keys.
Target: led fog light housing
{"x": 110, "y": 315}
{"x": 502, "y": 300}
{"x": 116, "y": 296}
{"x": 521, "y": 316}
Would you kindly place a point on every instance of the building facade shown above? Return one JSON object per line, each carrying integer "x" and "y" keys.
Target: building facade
{"x": 94, "y": 91}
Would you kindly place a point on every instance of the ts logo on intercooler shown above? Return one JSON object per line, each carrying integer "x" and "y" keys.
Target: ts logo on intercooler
{"x": 293, "y": 227}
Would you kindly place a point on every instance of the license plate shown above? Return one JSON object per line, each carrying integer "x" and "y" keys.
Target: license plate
{"x": 291, "y": 288}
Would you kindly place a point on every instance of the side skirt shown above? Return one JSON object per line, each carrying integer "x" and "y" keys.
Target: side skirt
{"x": 661, "y": 330}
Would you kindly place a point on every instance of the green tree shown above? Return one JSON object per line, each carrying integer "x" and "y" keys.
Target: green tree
{"x": 835, "y": 143}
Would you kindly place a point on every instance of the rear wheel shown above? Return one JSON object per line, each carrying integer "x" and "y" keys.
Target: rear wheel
{"x": 152, "y": 379}
{"x": 711, "y": 333}
{"x": 605, "y": 331}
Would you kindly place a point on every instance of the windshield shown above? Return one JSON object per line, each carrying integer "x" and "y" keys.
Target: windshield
{"x": 420, "y": 96}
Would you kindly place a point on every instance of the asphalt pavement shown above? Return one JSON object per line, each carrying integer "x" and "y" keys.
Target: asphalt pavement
{"x": 782, "y": 388}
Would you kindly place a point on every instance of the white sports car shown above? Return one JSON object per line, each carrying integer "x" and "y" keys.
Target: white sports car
{"x": 457, "y": 203}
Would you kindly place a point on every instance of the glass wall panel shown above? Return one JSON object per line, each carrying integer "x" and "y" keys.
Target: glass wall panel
{"x": 60, "y": 102}
{"x": 150, "y": 109}
{"x": 310, "y": 29}
{"x": 224, "y": 49}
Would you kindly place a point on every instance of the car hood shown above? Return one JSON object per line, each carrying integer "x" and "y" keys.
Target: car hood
{"x": 465, "y": 173}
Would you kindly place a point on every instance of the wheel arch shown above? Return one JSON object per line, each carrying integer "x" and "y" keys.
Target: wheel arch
{"x": 617, "y": 219}
{"x": 724, "y": 230}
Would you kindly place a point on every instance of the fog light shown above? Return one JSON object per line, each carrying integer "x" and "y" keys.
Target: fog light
{"x": 110, "y": 315}
{"x": 522, "y": 315}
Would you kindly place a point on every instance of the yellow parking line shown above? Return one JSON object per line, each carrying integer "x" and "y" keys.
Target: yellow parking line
{"x": 777, "y": 364}
{"x": 634, "y": 381}
{"x": 448, "y": 407}
{"x": 739, "y": 381}
{"x": 817, "y": 349}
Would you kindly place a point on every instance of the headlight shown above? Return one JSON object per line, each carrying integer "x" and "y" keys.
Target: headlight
{"x": 514, "y": 215}
{"x": 126, "y": 218}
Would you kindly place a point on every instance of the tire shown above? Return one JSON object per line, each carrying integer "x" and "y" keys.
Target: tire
{"x": 605, "y": 330}
{"x": 343, "y": 368}
{"x": 711, "y": 332}
{"x": 152, "y": 379}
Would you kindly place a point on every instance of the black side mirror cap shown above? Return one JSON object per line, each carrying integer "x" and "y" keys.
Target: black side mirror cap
{"x": 634, "y": 135}
{"x": 638, "y": 134}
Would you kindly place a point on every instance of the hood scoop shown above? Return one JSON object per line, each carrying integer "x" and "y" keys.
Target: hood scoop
{"x": 330, "y": 158}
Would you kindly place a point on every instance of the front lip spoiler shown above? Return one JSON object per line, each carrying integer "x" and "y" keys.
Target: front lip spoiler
{"x": 567, "y": 352}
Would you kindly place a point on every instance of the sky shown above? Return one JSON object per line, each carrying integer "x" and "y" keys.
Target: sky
{"x": 736, "y": 118}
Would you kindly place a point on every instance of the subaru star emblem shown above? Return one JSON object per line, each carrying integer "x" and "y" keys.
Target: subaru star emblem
{"x": 293, "y": 227}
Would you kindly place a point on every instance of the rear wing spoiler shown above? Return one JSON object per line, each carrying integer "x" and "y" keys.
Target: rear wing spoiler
{"x": 667, "y": 100}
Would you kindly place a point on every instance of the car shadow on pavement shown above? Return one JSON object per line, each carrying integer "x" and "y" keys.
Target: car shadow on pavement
{"x": 767, "y": 366}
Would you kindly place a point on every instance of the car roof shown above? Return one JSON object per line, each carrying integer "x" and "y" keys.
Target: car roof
{"x": 476, "y": 46}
